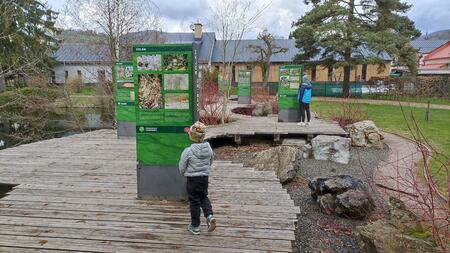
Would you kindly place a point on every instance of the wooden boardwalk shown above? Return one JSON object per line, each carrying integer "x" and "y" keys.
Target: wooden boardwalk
{"x": 78, "y": 194}
{"x": 269, "y": 126}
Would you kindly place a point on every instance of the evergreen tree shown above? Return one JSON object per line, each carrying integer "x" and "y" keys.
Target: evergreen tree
{"x": 27, "y": 39}
{"x": 334, "y": 30}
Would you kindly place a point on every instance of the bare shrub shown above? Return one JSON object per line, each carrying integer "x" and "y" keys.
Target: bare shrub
{"x": 349, "y": 112}
{"x": 422, "y": 195}
{"x": 39, "y": 81}
{"x": 74, "y": 84}
{"x": 211, "y": 104}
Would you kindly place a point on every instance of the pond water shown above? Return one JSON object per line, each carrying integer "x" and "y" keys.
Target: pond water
{"x": 59, "y": 123}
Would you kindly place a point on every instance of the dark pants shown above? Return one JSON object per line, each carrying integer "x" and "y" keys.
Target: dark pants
{"x": 197, "y": 189}
{"x": 304, "y": 107}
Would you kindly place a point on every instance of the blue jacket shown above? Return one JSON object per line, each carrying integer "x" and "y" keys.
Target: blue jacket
{"x": 304, "y": 93}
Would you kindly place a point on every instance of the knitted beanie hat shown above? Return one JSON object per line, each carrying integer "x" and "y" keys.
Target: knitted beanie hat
{"x": 197, "y": 132}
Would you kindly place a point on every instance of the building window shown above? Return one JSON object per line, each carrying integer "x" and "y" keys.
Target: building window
{"x": 53, "y": 76}
{"x": 101, "y": 76}
{"x": 364, "y": 72}
{"x": 330, "y": 73}
{"x": 233, "y": 74}
{"x": 313, "y": 73}
{"x": 249, "y": 67}
{"x": 66, "y": 76}
{"x": 79, "y": 74}
{"x": 217, "y": 67}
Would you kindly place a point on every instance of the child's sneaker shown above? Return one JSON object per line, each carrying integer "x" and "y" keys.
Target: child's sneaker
{"x": 211, "y": 222}
{"x": 194, "y": 230}
{"x": 300, "y": 124}
{"x": 307, "y": 124}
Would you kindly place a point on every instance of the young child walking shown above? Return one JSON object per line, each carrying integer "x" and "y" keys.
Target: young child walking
{"x": 195, "y": 164}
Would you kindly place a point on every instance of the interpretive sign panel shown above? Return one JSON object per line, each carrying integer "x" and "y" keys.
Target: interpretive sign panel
{"x": 244, "y": 86}
{"x": 163, "y": 78}
{"x": 290, "y": 78}
{"x": 124, "y": 98}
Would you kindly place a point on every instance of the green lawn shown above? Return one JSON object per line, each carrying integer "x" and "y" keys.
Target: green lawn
{"x": 391, "y": 119}
{"x": 439, "y": 101}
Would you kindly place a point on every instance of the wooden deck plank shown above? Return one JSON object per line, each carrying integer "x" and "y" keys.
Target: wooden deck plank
{"x": 79, "y": 194}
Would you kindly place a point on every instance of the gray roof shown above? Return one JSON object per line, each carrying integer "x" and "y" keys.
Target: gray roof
{"x": 210, "y": 49}
{"x": 89, "y": 53}
{"x": 82, "y": 53}
{"x": 426, "y": 46}
{"x": 246, "y": 54}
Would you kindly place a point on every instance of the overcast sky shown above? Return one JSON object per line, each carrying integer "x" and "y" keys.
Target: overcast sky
{"x": 428, "y": 15}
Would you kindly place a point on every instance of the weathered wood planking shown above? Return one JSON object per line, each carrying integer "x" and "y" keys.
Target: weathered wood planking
{"x": 246, "y": 125}
{"x": 78, "y": 193}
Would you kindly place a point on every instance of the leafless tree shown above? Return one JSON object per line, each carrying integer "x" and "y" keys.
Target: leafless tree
{"x": 265, "y": 52}
{"x": 117, "y": 19}
{"x": 231, "y": 20}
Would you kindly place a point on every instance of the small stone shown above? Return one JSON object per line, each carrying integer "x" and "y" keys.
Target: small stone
{"x": 262, "y": 109}
{"x": 327, "y": 203}
{"x": 332, "y": 148}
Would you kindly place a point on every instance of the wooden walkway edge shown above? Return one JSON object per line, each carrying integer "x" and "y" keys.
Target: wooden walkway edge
{"x": 78, "y": 194}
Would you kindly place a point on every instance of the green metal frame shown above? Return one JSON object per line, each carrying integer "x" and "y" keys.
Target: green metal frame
{"x": 244, "y": 83}
{"x": 160, "y": 135}
{"x": 287, "y": 96}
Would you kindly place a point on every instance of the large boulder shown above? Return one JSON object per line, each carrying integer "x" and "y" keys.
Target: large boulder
{"x": 343, "y": 195}
{"x": 335, "y": 185}
{"x": 280, "y": 159}
{"x": 392, "y": 234}
{"x": 365, "y": 134}
{"x": 262, "y": 109}
{"x": 382, "y": 237}
{"x": 332, "y": 148}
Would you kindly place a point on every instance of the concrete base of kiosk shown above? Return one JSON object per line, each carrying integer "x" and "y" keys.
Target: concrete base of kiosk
{"x": 288, "y": 115}
{"x": 126, "y": 129}
{"x": 244, "y": 100}
{"x": 160, "y": 182}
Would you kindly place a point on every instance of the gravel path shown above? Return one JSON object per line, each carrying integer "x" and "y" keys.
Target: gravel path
{"x": 318, "y": 232}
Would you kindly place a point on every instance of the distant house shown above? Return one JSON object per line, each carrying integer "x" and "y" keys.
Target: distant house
{"x": 90, "y": 62}
{"x": 437, "y": 61}
{"x": 246, "y": 58}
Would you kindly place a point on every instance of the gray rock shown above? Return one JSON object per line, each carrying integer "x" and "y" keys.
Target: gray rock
{"x": 365, "y": 134}
{"x": 335, "y": 184}
{"x": 332, "y": 148}
{"x": 382, "y": 237}
{"x": 280, "y": 159}
{"x": 343, "y": 195}
{"x": 307, "y": 151}
{"x": 262, "y": 109}
{"x": 327, "y": 203}
{"x": 354, "y": 204}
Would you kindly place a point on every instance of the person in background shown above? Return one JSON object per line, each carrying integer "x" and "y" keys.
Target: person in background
{"x": 304, "y": 99}
{"x": 195, "y": 164}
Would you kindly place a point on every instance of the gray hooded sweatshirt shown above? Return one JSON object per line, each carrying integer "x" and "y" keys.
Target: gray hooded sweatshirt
{"x": 196, "y": 160}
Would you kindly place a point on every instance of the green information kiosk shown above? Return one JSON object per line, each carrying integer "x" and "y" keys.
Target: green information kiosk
{"x": 124, "y": 97}
{"x": 290, "y": 78}
{"x": 244, "y": 87}
{"x": 164, "y": 78}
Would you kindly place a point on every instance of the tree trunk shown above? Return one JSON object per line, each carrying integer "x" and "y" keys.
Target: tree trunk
{"x": 348, "y": 52}
{"x": 2, "y": 83}
{"x": 346, "y": 83}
